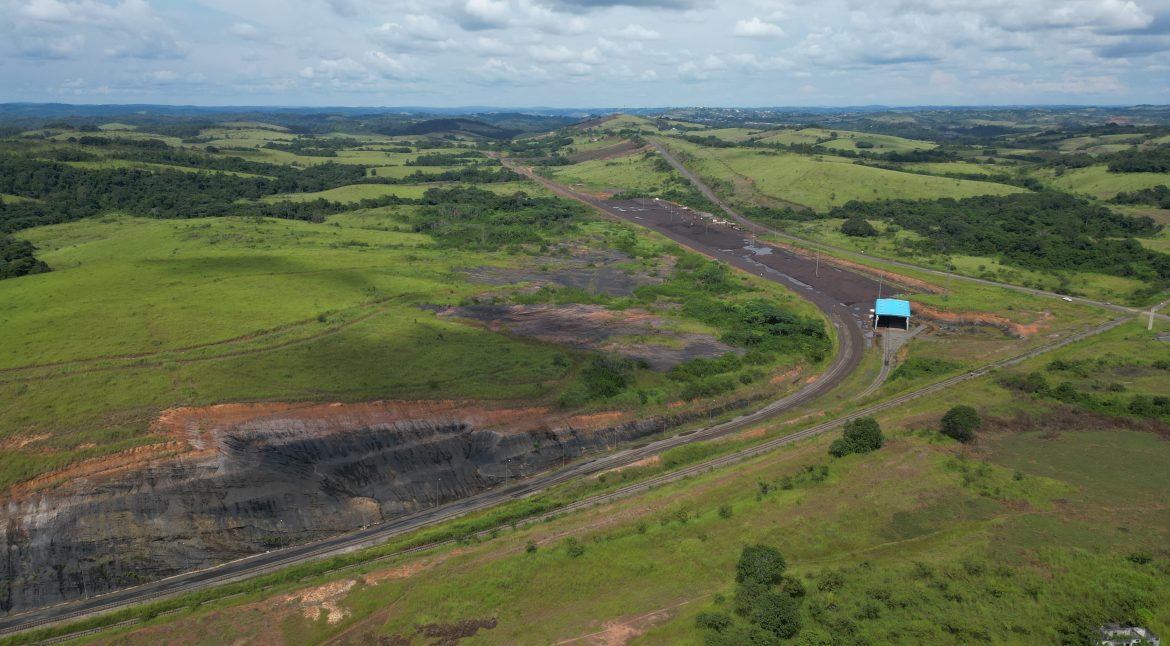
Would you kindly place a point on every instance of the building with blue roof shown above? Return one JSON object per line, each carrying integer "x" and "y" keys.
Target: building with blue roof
{"x": 891, "y": 312}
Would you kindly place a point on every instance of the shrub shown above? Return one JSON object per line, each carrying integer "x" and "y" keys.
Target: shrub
{"x": 861, "y": 435}
{"x": 606, "y": 376}
{"x": 716, "y": 621}
{"x": 777, "y": 613}
{"x": 573, "y": 547}
{"x": 792, "y": 586}
{"x": 960, "y": 423}
{"x": 858, "y": 227}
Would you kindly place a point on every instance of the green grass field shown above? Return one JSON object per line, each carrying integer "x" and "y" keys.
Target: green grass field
{"x": 1098, "y": 182}
{"x": 735, "y": 135}
{"x": 1098, "y": 144}
{"x": 846, "y": 140}
{"x": 1017, "y": 540}
{"x": 632, "y": 172}
{"x": 139, "y": 315}
{"x": 146, "y": 314}
{"x": 956, "y": 168}
{"x": 822, "y": 182}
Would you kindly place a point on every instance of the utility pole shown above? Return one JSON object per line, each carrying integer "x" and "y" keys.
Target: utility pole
{"x": 1150, "y": 325}
{"x": 818, "y": 269}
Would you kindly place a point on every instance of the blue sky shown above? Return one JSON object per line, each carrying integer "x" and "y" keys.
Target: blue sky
{"x": 585, "y": 53}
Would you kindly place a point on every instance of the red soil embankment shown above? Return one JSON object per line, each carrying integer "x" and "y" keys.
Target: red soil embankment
{"x": 194, "y": 432}
{"x": 1008, "y": 326}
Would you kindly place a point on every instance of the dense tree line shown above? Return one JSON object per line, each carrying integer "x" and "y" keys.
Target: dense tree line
{"x": 1158, "y": 196}
{"x": 311, "y": 146}
{"x": 62, "y": 193}
{"x": 1044, "y": 231}
{"x": 1114, "y": 403}
{"x": 90, "y": 140}
{"x": 1140, "y": 160}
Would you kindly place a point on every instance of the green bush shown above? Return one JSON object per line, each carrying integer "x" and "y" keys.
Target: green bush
{"x": 777, "y": 613}
{"x": 861, "y": 435}
{"x": 573, "y": 547}
{"x": 762, "y": 564}
{"x": 716, "y": 621}
{"x": 607, "y": 375}
{"x": 858, "y": 227}
{"x": 960, "y": 423}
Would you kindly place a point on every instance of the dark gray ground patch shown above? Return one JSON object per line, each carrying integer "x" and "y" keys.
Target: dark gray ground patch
{"x": 593, "y": 327}
{"x": 594, "y": 272}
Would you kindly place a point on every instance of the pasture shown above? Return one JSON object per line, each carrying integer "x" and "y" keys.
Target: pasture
{"x": 632, "y": 172}
{"x": 1097, "y": 182}
{"x": 821, "y": 182}
{"x": 845, "y": 140}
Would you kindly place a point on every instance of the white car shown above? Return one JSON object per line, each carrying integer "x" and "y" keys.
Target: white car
{"x": 1066, "y": 298}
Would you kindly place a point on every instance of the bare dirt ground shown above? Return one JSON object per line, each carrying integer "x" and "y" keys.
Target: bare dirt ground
{"x": 633, "y": 333}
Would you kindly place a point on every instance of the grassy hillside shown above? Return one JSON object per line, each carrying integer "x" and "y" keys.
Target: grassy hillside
{"x": 845, "y": 140}
{"x": 139, "y": 315}
{"x": 1098, "y": 182}
{"x": 1052, "y": 523}
{"x": 821, "y": 182}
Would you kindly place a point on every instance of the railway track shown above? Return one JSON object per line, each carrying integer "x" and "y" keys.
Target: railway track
{"x": 758, "y": 228}
{"x": 379, "y": 534}
{"x": 850, "y": 348}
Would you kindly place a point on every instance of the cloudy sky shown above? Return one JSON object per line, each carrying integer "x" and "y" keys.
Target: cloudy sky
{"x": 585, "y": 53}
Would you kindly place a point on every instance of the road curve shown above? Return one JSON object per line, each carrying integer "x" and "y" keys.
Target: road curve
{"x": 377, "y": 534}
{"x": 851, "y": 345}
{"x": 758, "y": 228}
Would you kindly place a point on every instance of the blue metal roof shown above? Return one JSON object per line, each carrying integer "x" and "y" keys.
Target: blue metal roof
{"x": 892, "y": 307}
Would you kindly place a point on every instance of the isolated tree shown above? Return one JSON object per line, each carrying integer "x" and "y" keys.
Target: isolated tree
{"x": 760, "y": 564}
{"x": 960, "y": 423}
{"x": 861, "y": 435}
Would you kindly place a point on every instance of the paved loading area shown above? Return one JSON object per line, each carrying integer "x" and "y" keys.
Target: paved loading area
{"x": 724, "y": 240}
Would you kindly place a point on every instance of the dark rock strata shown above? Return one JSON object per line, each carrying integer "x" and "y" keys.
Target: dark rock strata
{"x": 262, "y": 486}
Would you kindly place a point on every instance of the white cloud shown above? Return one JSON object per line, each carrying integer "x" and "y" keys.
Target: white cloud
{"x": 551, "y": 53}
{"x": 756, "y": 28}
{"x": 557, "y": 52}
{"x": 638, "y": 32}
{"x": 335, "y": 69}
{"x": 416, "y": 32}
{"x": 399, "y": 67}
{"x": 244, "y": 30}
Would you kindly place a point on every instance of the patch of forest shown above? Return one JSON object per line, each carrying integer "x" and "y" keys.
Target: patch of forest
{"x": 64, "y": 193}
{"x": 1042, "y": 231}
{"x": 1158, "y": 196}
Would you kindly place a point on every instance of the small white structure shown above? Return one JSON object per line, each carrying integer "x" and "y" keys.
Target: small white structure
{"x": 1119, "y": 635}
